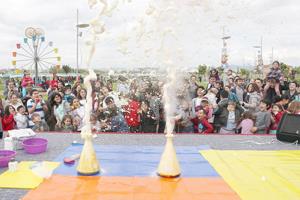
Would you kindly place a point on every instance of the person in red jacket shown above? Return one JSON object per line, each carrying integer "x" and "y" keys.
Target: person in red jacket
{"x": 276, "y": 115}
{"x": 201, "y": 124}
{"x": 8, "y": 122}
{"x": 132, "y": 116}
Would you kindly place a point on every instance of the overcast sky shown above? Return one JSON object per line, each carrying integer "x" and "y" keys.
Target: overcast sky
{"x": 199, "y": 26}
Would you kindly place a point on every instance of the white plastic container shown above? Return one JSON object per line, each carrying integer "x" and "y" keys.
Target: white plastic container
{"x": 13, "y": 166}
{"x": 8, "y": 143}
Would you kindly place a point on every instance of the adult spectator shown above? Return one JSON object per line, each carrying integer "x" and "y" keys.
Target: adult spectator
{"x": 117, "y": 120}
{"x": 239, "y": 88}
{"x": 270, "y": 92}
{"x": 36, "y": 105}
{"x": 60, "y": 108}
{"x": 132, "y": 114}
{"x": 292, "y": 91}
{"x": 148, "y": 119}
{"x": 15, "y": 101}
{"x": 259, "y": 83}
{"x": 11, "y": 89}
{"x": 27, "y": 83}
{"x": 251, "y": 98}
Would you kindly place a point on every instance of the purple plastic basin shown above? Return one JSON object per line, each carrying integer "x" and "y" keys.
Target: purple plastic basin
{"x": 35, "y": 145}
{"x": 5, "y": 157}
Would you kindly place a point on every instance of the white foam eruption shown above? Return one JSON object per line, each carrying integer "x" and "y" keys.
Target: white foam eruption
{"x": 97, "y": 29}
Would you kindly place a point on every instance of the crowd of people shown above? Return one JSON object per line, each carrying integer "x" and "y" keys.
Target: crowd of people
{"x": 226, "y": 104}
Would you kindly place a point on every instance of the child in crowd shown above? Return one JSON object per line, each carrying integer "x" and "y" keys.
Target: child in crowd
{"x": 68, "y": 94}
{"x": 231, "y": 96}
{"x": 95, "y": 124}
{"x": 246, "y": 123}
{"x": 274, "y": 74}
{"x": 214, "y": 73}
{"x": 77, "y": 125}
{"x": 21, "y": 118}
{"x": 39, "y": 124}
{"x": 201, "y": 125}
{"x": 212, "y": 96}
{"x": 82, "y": 97}
{"x": 207, "y": 108}
{"x": 8, "y": 121}
{"x": 104, "y": 124}
{"x": 67, "y": 124}
{"x": 183, "y": 118}
{"x": 263, "y": 118}
{"x": 276, "y": 115}
{"x": 77, "y": 109}
{"x": 228, "y": 118}
{"x": 197, "y": 101}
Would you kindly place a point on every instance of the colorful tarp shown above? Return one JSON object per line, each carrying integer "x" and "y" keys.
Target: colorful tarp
{"x": 139, "y": 161}
{"x": 131, "y": 188}
{"x": 23, "y": 178}
{"x": 259, "y": 174}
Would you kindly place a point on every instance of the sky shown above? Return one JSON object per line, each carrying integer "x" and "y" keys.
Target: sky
{"x": 134, "y": 38}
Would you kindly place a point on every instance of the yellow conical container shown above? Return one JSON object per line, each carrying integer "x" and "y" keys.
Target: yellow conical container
{"x": 88, "y": 163}
{"x": 169, "y": 165}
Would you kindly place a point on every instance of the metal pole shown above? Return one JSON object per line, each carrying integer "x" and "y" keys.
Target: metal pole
{"x": 77, "y": 32}
{"x": 261, "y": 51}
{"x": 35, "y": 63}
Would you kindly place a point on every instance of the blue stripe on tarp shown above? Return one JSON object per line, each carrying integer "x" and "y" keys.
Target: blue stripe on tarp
{"x": 139, "y": 161}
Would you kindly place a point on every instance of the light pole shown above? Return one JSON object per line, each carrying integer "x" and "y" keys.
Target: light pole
{"x": 78, "y": 26}
{"x": 260, "y": 61}
{"x": 224, "y": 57}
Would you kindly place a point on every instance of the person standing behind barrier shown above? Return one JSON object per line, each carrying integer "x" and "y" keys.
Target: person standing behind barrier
{"x": 251, "y": 98}
{"x": 10, "y": 90}
{"x": 148, "y": 119}
{"x": 196, "y": 102}
{"x": 21, "y": 118}
{"x": 263, "y": 118}
{"x": 131, "y": 114}
{"x": 26, "y": 83}
{"x": 36, "y": 105}
{"x": 246, "y": 123}
{"x": 239, "y": 89}
{"x": 8, "y": 121}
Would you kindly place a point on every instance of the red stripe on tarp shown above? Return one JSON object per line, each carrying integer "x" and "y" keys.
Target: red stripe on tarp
{"x": 139, "y": 133}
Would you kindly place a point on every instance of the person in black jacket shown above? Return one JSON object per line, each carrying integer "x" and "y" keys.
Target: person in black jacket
{"x": 148, "y": 119}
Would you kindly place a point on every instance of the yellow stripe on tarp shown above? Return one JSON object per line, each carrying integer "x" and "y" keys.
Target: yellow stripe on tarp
{"x": 255, "y": 175}
{"x": 24, "y": 178}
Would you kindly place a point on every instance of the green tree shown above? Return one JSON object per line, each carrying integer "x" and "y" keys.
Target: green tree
{"x": 202, "y": 69}
{"x": 285, "y": 69}
{"x": 245, "y": 72}
{"x": 67, "y": 69}
{"x": 53, "y": 69}
{"x": 220, "y": 70}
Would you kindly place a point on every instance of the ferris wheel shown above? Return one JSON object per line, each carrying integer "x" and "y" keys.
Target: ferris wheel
{"x": 35, "y": 54}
